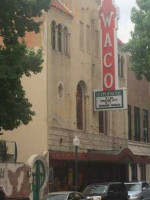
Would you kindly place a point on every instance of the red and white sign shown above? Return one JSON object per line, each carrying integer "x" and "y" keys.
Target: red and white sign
{"x": 108, "y": 16}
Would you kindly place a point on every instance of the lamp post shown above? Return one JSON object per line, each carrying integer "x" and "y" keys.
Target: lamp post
{"x": 76, "y": 143}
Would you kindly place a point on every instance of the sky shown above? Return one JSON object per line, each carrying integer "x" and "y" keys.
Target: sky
{"x": 124, "y": 24}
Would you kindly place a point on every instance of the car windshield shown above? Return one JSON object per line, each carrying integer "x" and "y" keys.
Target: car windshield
{"x": 133, "y": 187}
{"x": 56, "y": 197}
{"x": 95, "y": 190}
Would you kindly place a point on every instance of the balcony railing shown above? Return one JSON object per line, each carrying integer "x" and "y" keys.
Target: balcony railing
{"x": 8, "y": 151}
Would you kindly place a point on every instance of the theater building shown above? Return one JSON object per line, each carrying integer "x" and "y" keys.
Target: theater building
{"x": 114, "y": 145}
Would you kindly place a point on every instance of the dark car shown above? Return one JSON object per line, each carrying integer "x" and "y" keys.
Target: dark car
{"x": 106, "y": 191}
{"x": 67, "y": 195}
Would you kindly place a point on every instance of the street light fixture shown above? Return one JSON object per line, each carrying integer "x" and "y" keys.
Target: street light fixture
{"x": 76, "y": 143}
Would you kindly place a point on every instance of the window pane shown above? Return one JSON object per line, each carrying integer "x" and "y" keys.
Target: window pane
{"x": 119, "y": 64}
{"x": 59, "y": 40}
{"x": 88, "y": 39}
{"x": 122, "y": 63}
{"x": 137, "y": 123}
{"x": 81, "y": 36}
{"x": 101, "y": 122}
{"x": 145, "y": 126}
{"x": 143, "y": 172}
{"x": 53, "y": 35}
{"x": 134, "y": 172}
{"x": 96, "y": 43}
{"x": 129, "y": 123}
{"x": 79, "y": 108}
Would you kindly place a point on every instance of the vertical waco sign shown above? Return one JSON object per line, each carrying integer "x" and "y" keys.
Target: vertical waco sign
{"x": 108, "y": 17}
{"x": 111, "y": 97}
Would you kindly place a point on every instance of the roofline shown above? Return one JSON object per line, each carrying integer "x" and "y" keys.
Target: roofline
{"x": 60, "y": 6}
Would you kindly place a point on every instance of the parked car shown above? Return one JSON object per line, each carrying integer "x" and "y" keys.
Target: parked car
{"x": 106, "y": 191}
{"x": 138, "y": 190}
{"x": 67, "y": 195}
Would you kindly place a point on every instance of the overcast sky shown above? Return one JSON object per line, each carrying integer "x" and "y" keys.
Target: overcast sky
{"x": 125, "y": 26}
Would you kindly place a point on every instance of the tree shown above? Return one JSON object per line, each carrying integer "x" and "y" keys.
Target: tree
{"x": 16, "y": 60}
{"x": 139, "y": 44}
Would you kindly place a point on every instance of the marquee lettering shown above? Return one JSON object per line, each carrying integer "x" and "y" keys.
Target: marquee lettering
{"x": 108, "y": 80}
{"x": 107, "y": 41}
{"x": 107, "y": 17}
{"x": 105, "y": 60}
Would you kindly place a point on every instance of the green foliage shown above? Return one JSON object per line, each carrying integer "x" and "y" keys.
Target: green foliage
{"x": 16, "y": 60}
{"x": 139, "y": 44}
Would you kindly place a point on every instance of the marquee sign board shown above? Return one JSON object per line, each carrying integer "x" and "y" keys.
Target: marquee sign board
{"x": 110, "y": 100}
{"x": 108, "y": 17}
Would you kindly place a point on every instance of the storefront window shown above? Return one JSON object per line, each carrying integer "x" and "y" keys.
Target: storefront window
{"x": 134, "y": 172}
{"x": 137, "y": 123}
{"x": 143, "y": 172}
{"x": 145, "y": 126}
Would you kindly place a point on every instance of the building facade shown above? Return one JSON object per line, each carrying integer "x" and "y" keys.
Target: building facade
{"x": 114, "y": 145}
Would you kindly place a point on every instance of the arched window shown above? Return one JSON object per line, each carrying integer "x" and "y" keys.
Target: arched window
{"x": 53, "y": 35}
{"x": 59, "y": 38}
{"x": 81, "y": 106}
{"x": 79, "y": 99}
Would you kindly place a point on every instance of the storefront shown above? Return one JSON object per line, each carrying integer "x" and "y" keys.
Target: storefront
{"x": 95, "y": 166}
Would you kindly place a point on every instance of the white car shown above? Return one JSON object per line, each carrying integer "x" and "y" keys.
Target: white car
{"x": 67, "y": 195}
{"x": 138, "y": 190}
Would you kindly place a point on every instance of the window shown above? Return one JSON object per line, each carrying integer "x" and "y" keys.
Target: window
{"x": 81, "y": 36}
{"x": 81, "y": 106}
{"x": 79, "y": 100}
{"x": 103, "y": 122}
{"x": 145, "y": 126}
{"x": 120, "y": 65}
{"x": 60, "y": 90}
{"x": 66, "y": 41}
{"x": 121, "y": 69}
{"x": 134, "y": 172}
{"x": 59, "y": 38}
{"x": 53, "y": 35}
{"x": 96, "y": 43}
{"x": 129, "y": 123}
{"x": 88, "y": 39}
{"x": 137, "y": 123}
{"x": 143, "y": 172}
